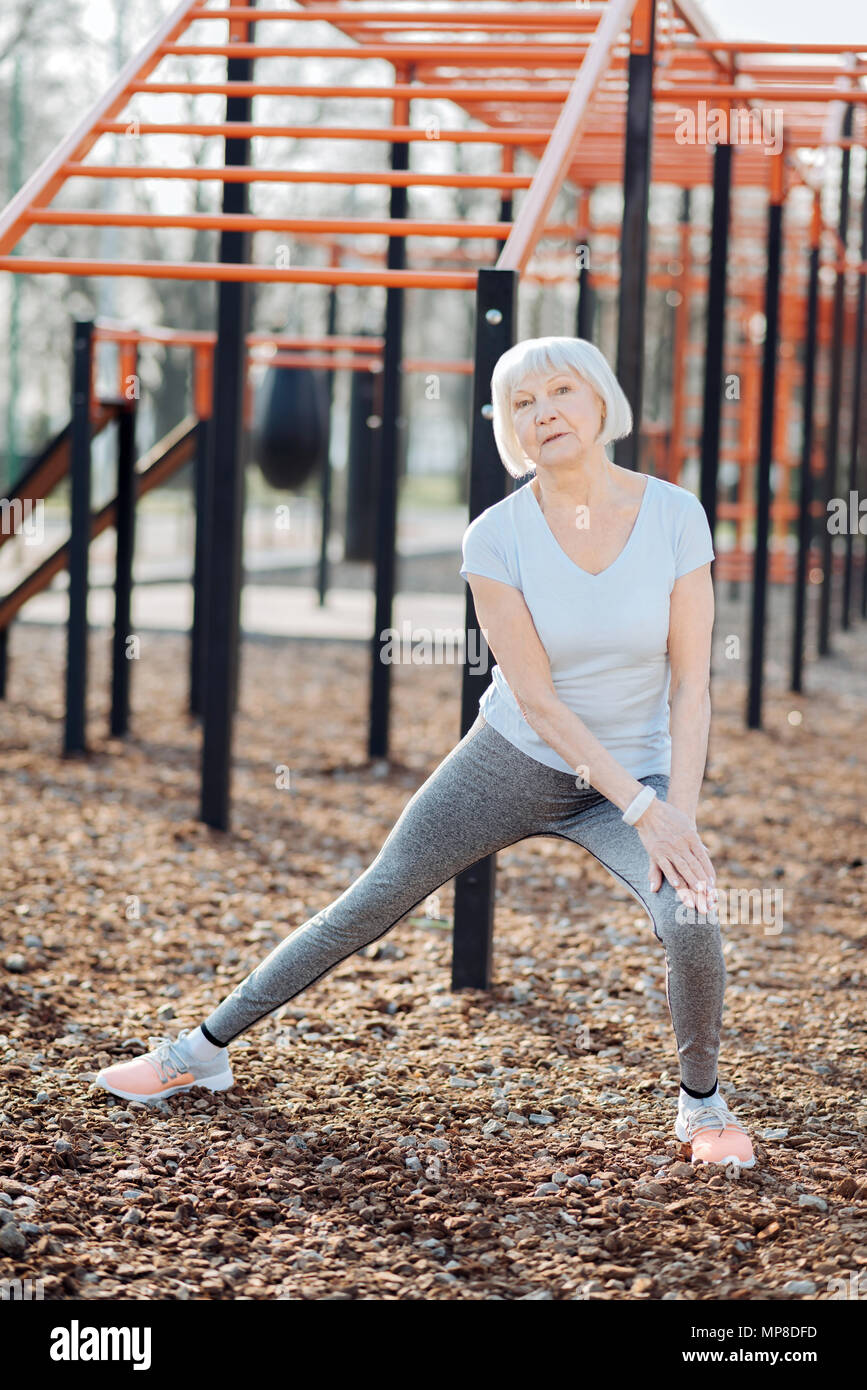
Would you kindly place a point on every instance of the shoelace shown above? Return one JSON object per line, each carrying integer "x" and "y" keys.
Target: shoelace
{"x": 711, "y": 1117}
{"x": 166, "y": 1061}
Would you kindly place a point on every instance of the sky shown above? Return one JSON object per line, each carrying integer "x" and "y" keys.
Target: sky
{"x": 798, "y": 21}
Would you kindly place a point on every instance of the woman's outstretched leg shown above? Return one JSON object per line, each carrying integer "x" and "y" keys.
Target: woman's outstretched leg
{"x": 483, "y": 796}
{"x": 468, "y": 808}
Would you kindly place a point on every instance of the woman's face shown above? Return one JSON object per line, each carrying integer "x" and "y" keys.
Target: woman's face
{"x": 557, "y": 416}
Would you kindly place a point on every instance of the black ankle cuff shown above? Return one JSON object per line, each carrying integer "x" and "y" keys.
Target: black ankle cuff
{"x": 696, "y": 1095}
{"x": 211, "y": 1039}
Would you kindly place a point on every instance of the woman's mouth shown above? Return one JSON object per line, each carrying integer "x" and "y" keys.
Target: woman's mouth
{"x": 552, "y": 437}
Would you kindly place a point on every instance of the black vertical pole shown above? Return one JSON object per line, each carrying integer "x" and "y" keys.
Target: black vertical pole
{"x": 714, "y": 358}
{"x": 496, "y": 326}
{"x": 584, "y": 316}
{"x": 389, "y": 465}
{"x": 634, "y": 233}
{"x": 830, "y": 480}
{"x": 225, "y": 489}
{"x": 766, "y": 442}
{"x": 127, "y": 486}
{"x": 4, "y": 660}
{"x": 325, "y": 477}
{"x": 804, "y": 517}
{"x": 857, "y": 410}
{"x": 586, "y": 305}
{"x": 199, "y": 628}
{"x": 75, "y": 740}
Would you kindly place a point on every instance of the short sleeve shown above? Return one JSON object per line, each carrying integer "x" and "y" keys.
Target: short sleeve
{"x": 694, "y": 542}
{"x": 484, "y": 553}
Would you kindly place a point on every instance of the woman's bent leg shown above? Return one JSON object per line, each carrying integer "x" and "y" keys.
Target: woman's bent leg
{"x": 695, "y": 972}
{"x": 478, "y": 800}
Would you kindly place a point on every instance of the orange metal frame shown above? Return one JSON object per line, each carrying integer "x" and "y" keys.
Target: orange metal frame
{"x": 550, "y": 82}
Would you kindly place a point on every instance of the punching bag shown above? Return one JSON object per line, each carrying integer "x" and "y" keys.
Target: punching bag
{"x": 362, "y": 482}
{"x": 291, "y": 425}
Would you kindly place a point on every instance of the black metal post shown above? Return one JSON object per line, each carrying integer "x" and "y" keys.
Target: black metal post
{"x": 634, "y": 236}
{"x": 715, "y": 326}
{"x": 766, "y": 442}
{"x": 4, "y": 660}
{"x": 75, "y": 735}
{"x": 198, "y": 631}
{"x": 389, "y": 468}
{"x": 586, "y": 306}
{"x": 805, "y": 527}
{"x": 857, "y": 411}
{"x": 127, "y": 488}
{"x": 496, "y": 325}
{"x": 225, "y": 489}
{"x": 835, "y": 387}
{"x": 325, "y": 479}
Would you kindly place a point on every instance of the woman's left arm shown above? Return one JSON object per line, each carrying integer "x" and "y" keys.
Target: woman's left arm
{"x": 689, "y": 644}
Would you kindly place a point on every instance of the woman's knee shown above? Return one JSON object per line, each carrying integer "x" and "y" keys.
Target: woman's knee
{"x": 685, "y": 931}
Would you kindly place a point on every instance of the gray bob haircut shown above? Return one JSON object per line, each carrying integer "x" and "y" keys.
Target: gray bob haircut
{"x": 574, "y": 355}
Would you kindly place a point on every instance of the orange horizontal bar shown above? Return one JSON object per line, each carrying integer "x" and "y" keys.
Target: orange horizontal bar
{"x": 248, "y": 222}
{"x": 795, "y": 72}
{"x": 795, "y": 93}
{"x": 342, "y": 342}
{"x": 526, "y": 56}
{"x": 753, "y": 46}
{"x": 324, "y": 362}
{"x": 434, "y": 364}
{"x": 401, "y": 134}
{"x": 364, "y": 364}
{"x": 199, "y": 270}
{"x": 426, "y": 91}
{"x": 429, "y": 19}
{"x": 179, "y": 337}
{"x": 237, "y": 173}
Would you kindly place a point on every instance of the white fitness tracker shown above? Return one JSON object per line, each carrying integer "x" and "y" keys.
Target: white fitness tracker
{"x": 637, "y": 807}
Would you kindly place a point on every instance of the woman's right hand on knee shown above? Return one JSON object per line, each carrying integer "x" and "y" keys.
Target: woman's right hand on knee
{"x": 675, "y": 849}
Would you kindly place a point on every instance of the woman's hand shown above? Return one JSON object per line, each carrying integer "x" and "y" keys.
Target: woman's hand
{"x": 675, "y": 850}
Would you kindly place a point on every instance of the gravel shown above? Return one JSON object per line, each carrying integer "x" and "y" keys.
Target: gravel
{"x": 386, "y": 1138}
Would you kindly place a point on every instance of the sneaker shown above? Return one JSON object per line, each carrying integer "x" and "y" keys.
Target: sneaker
{"x": 165, "y": 1071}
{"x": 713, "y": 1134}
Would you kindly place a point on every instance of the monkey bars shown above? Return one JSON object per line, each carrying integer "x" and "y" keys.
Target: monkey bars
{"x": 585, "y": 94}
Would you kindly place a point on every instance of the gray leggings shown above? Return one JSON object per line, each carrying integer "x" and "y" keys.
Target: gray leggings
{"x": 485, "y": 795}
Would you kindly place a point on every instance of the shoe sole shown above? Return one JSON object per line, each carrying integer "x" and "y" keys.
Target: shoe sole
{"x": 714, "y": 1163}
{"x": 217, "y": 1083}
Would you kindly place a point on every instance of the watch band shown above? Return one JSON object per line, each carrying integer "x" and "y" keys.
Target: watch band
{"x": 640, "y": 804}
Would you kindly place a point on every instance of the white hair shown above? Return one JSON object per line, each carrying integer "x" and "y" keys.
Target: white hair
{"x": 575, "y": 355}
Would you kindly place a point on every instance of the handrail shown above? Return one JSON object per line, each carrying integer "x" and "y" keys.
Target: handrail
{"x": 52, "y": 463}
{"x": 41, "y": 187}
{"x": 160, "y": 462}
{"x": 227, "y": 270}
{"x": 554, "y": 164}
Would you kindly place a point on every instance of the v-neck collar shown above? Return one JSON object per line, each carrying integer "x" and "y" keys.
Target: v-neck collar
{"x": 534, "y": 501}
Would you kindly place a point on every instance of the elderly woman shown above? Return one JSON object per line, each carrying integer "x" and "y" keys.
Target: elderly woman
{"x": 592, "y": 585}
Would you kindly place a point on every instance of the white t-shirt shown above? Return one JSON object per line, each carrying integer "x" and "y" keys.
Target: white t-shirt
{"x": 606, "y": 635}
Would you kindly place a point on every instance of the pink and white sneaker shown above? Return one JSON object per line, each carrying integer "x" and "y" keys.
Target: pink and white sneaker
{"x": 165, "y": 1071}
{"x": 713, "y": 1134}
